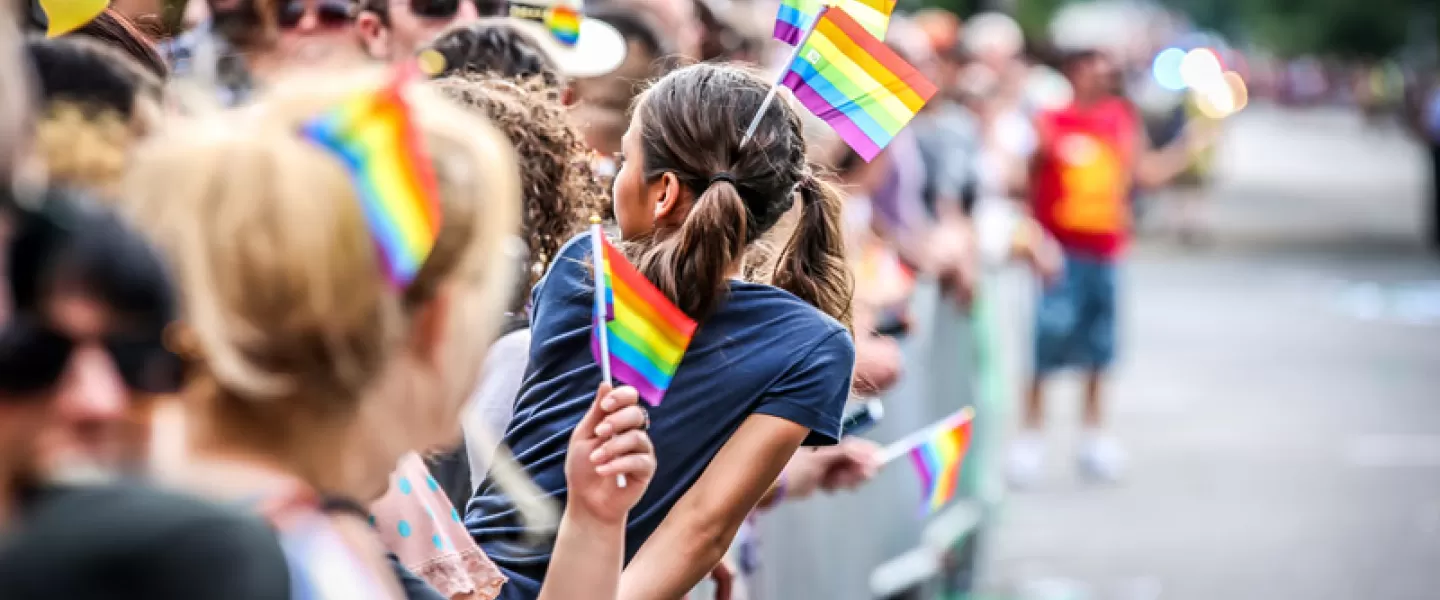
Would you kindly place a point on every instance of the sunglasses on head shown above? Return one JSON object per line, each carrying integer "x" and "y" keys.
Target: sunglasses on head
{"x": 33, "y": 356}
{"x": 447, "y": 9}
{"x": 329, "y": 13}
{"x": 562, "y": 21}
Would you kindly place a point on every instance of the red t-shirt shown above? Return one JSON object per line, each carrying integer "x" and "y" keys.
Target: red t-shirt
{"x": 1081, "y": 186}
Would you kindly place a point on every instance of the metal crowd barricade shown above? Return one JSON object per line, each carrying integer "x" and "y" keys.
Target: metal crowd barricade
{"x": 875, "y": 543}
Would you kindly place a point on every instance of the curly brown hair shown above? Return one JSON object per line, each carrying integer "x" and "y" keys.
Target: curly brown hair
{"x": 560, "y": 189}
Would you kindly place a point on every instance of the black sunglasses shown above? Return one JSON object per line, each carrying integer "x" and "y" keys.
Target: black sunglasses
{"x": 447, "y": 9}
{"x": 33, "y": 356}
{"x": 330, "y": 13}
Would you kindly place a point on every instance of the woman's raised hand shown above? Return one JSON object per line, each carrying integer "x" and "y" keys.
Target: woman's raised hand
{"x": 610, "y": 441}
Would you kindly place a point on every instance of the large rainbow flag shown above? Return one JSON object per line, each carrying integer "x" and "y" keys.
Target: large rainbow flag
{"x": 795, "y": 16}
{"x": 938, "y": 461}
{"x": 385, "y": 154}
{"x": 643, "y": 336}
{"x": 857, "y": 85}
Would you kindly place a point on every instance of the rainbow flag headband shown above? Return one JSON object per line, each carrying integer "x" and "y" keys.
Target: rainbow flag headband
{"x": 375, "y": 136}
{"x": 563, "y": 22}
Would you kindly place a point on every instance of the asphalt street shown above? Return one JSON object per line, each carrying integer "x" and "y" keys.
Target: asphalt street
{"x": 1279, "y": 392}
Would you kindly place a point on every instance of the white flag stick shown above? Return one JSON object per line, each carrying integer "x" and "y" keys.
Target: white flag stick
{"x": 904, "y": 445}
{"x": 598, "y": 249}
{"x": 784, "y": 68}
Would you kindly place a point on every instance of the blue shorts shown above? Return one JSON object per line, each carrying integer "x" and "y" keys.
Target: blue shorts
{"x": 1075, "y": 319}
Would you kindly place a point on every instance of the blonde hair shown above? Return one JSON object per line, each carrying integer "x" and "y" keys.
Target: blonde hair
{"x": 84, "y": 141}
{"x": 280, "y": 282}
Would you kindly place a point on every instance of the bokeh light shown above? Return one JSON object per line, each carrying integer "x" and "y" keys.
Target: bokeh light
{"x": 1238, "y": 89}
{"x": 1200, "y": 68}
{"x": 1221, "y": 97}
{"x": 1166, "y": 69}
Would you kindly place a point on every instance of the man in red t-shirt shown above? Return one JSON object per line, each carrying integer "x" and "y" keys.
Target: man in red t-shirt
{"x": 1092, "y": 154}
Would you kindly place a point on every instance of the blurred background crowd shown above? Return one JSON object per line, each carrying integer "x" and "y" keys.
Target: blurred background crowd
{"x": 1255, "y": 313}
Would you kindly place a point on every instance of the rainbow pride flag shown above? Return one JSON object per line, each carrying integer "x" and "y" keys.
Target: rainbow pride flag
{"x": 643, "y": 336}
{"x": 938, "y": 461}
{"x": 385, "y": 154}
{"x": 795, "y": 16}
{"x": 853, "y": 82}
{"x": 563, "y": 23}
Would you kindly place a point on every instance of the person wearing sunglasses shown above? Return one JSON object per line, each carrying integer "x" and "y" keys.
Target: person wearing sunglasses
{"x": 79, "y": 352}
{"x": 307, "y": 33}
{"x": 91, "y": 304}
{"x": 243, "y": 43}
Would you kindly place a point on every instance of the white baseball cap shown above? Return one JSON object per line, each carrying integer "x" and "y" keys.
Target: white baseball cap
{"x": 579, "y": 45}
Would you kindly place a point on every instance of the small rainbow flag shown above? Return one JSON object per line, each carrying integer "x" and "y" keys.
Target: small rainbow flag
{"x": 938, "y": 460}
{"x": 375, "y": 137}
{"x": 795, "y": 16}
{"x": 644, "y": 335}
{"x": 564, "y": 24}
{"x": 853, "y": 82}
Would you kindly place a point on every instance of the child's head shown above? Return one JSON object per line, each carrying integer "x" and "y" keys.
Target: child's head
{"x": 699, "y": 199}
{"x": 292, "y": 315}
{"x": 560, "y": 191}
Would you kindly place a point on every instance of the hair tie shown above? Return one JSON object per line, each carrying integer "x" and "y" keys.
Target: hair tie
{"x": 376, "y": 137}
{"x": 721, "y": 176}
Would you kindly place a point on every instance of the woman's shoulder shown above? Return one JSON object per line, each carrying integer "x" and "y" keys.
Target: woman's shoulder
{"x": 784, "y": 314}
{"x": 571, "y": 268}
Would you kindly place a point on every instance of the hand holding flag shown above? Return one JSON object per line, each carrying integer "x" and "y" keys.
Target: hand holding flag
{"x": 636, "y": 328}
{"x": 609, "y": 442}
{"x": 937, "y": 451}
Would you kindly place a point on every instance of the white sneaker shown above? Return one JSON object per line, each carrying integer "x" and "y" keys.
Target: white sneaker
{"x": 1102, "y": 458}
{"x": 1027, "y": 460}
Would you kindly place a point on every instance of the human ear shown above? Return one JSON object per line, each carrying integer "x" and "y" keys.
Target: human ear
{"x": 668, "y": 186}
{"x": 427, "y": 331}
{"x": 374, "y": 36}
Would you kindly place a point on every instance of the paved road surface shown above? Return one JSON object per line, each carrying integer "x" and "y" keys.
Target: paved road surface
{"x": 1280, "y": 394}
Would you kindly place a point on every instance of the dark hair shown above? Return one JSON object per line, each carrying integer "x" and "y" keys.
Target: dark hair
{"x": 87, "y": 74}
{"x": 560, "y": 190}
{"x": 691, "y": 123}
{"x": 113, "y": 29}
{"x": 1074, "y": 59}
{"x": 73, "y": 242}
{"x": 497, "y": 48}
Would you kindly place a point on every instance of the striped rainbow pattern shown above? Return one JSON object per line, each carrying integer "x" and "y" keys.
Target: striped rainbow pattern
{"x": 938, "y": 461}
{"x": 646, "y": 334}
{"x": 375, "y": 137}
{"x": 795, "y": 16}
{"x": 564, "y": 24}
{"x": 857, "y": 85}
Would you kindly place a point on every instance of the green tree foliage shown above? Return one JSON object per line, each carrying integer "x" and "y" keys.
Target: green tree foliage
{"x": 1350, "y": 28}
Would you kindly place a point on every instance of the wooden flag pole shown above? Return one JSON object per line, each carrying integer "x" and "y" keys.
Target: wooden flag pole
{"x": 904, "y": 445}
{"x": 598, "y": 251}
{"x": 784, "y": 68}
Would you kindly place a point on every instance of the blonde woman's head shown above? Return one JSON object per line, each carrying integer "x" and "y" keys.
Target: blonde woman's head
{"x": 287, "y": 308}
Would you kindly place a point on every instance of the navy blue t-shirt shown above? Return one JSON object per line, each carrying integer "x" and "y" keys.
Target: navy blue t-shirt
{"x": 763, "y": 352}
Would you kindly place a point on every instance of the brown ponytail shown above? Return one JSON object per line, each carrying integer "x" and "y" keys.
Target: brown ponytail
{"x": 691, "y": 123}
{"x": 812, "y": 265}
{"x": 697, "y": 256}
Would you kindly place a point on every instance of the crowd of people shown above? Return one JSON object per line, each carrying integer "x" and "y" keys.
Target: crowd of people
{"x": 228, "y": 369}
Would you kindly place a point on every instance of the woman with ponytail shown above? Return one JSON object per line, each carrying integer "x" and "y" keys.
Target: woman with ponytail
{"x": 768, "y": 368}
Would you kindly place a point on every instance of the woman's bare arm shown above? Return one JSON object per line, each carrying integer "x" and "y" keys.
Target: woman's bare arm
{"x": 698, "y": 530}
